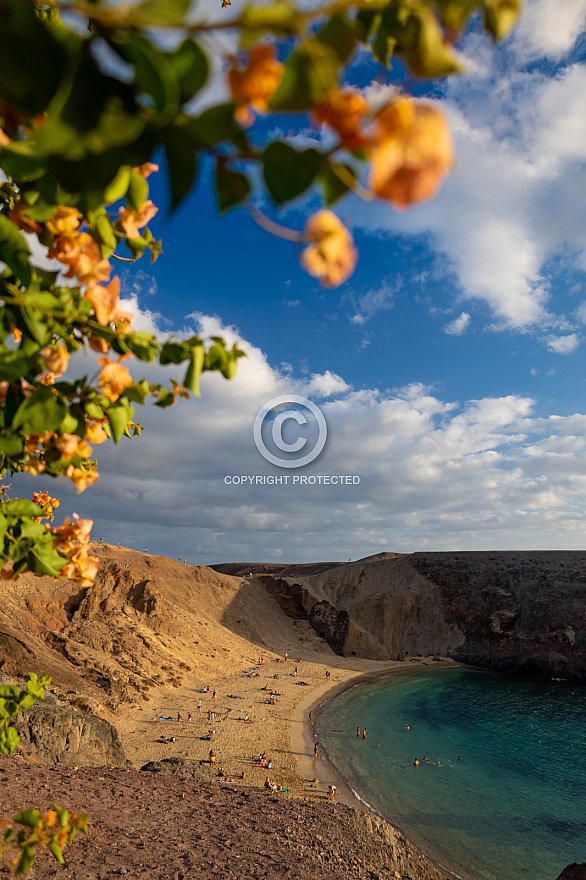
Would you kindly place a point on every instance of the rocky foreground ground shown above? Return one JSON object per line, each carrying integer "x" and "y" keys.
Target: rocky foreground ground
{"x": 154, "y": 826}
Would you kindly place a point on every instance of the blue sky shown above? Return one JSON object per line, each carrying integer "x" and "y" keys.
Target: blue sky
{"x": 450, "y": 367}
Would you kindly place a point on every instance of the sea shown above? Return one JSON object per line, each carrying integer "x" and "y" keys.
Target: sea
{"x": 500, "y": 790}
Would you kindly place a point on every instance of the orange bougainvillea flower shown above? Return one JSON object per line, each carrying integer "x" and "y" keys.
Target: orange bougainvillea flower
{"x": 71, "y": 539}
{"x": 82, "y": 478}
{"x": 133, "y": 221}
{"x": 105, "y": 302}
{"x": 344, "y": 111}
{"x": 411, "y": 154}
{"x": 95, "y": 432}
{"x": 17, "y": 215}
{"x": 253, "y": 87}
{"x": 114, "y": 378}
{"x": 146, "y": 169}
{"x": 56, "y": 359}
{"x": 72, "y": 444}
{"x": 331, "y": 255}
{"x": 16, "y": 333}
{"x": 66, "y": 220}
{"x": 97, "y": 343}
{"x": 81, "y": 254}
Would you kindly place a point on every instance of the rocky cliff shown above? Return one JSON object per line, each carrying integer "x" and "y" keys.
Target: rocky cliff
{"x": 522, "y": 611}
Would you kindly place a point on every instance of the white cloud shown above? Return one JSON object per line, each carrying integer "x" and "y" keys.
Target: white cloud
{"x": 373, "y": 301}
{"x": 564, "y": 344}
{"x": 549, "y": 28}
{"x": 433, "y": 473}
{"x": 326, "y": 385}
{"x": 459, "y": 325}
{"x": 581, "y": 313}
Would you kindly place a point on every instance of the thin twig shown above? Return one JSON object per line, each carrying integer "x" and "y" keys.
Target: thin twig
{"x": 274, "y": 228}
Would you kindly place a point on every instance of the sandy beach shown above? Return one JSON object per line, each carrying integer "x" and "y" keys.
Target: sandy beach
{"x": 280, "y": 730}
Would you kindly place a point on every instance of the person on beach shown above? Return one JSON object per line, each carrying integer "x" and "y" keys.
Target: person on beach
{"x": 189, "y": 717}
{"x": 332, "y": 792}
{"x": 178, "y": 717}
{"x": 198, "y": 705}
{"x": 212, "y": 756}
{"x": 316, "y": 750}
{"x": 310, "y": 716}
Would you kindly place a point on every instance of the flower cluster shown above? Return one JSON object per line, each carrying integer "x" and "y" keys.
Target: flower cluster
{"x": 71, "y": 540}
{"x": 253, "y": 86}
{"x": 47, "y": 503}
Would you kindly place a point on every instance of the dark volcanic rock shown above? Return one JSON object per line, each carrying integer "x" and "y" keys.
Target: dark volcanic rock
{"x": 574, "y": 872}
{"x": 518, "y": 611}
{"x": 56, "y": 734}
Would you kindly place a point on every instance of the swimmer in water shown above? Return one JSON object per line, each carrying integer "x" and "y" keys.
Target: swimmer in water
{"x": 416, "y": 763}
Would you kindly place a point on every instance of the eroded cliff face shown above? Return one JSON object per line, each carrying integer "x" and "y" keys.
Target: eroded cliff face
{"x": 523, "y": 611}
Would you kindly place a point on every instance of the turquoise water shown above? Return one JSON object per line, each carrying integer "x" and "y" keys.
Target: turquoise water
{"x": 512, "y": 808}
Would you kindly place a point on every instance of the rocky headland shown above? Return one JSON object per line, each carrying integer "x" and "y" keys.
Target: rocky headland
{"x": 512, "y": 610}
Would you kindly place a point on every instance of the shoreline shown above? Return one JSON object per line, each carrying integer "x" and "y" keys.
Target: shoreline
{"x": 323, "y": 768}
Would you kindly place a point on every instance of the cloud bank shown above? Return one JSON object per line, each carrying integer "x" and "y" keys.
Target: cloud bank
{"x": 436, "y": 474}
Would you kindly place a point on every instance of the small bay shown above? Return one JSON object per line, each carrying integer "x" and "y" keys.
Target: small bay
{"x": 505, "y": 796}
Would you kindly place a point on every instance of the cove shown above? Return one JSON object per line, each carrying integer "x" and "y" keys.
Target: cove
{"x": 505, "y": 796}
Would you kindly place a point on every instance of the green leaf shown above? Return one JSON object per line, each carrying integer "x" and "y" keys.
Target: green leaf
{"x": 62, "y": 815}
{"x": 11, "y": 445}
{"x": 44, "y": 559}
{"x": 9, "y": 739}
{"x": 42, "y": 411}
{"x": 232, "y": 187}
{"x": 310, "y": 73}
{"x": 165, "y": 398}
{"x": 383, "y": 47}
{"x": 153, "y": 72}
{"x": 191, "y": 68}
{"x": 14, "y": 250}
{"x": 20, "y": 507}
{"x": 365, "y": 24}
{"x": 340, "y": 36}
{"x": 56, "y": 851}
{"x": 41, "y": 211}
{"x": 13, "y": 365}
{"x": 173, "y": 353}
{"x": 32, "y": 59}
{"x": 119, "y": 414}
{"x": 194, "y": 370}
{"x": 30, "y": 818}
{"x": 119, "y": 186}
{"x": 287, "y": 172}
{"x": 216, "y": 357}
{"x": 20, "y": 166}
{"x": 104, "y": 234}
{"x": 501, "y": 16}
{"x": 9, "y": 690}
{"x": 26, "y": 861}
{"x": 217, "y": 125}
{"x": 138, "y": 190}
{"x": 281, "y": 17}
{"x": 158, "y": 12}
{"x": 335, "y": 179}
{"x": 455, "y": 13}
{"x": 181, "y": 162}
